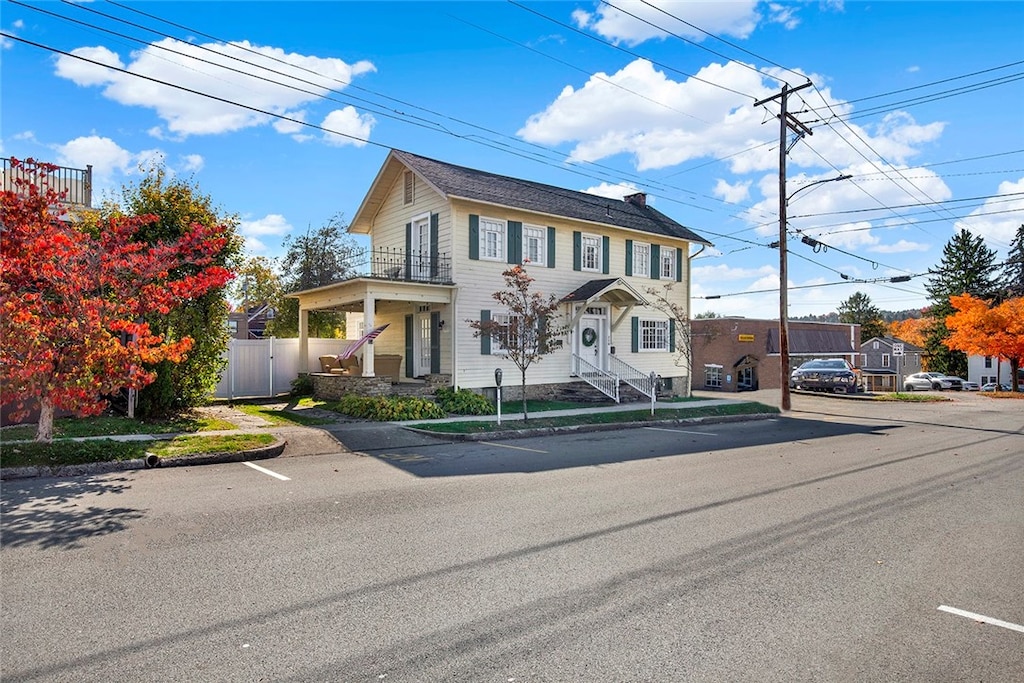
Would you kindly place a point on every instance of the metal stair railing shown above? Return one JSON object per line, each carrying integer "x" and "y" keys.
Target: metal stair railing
{"x": 605, "y": 382}
{"x": 645, "y": 384}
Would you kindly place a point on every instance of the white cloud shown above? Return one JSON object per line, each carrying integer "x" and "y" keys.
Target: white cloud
{"x": 900, "y": 247}
{"x": 272, "y": 225}
{"x": 913, "y": 69}
{"x": 737, "y": 18}
{"x": 193, "y": 163}
{"x": 186, "y": 114}
{"x": 104, "y": 155}
{"x": 732, "y": 193}
{"x": 618, "y": 191}
{"x": 783, "y": 14}
{"x": 353, "y": 128}
{"x": 999, "y": 228}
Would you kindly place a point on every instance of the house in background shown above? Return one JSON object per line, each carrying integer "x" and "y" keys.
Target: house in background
{"x": 441, "y": 236}
{"x": 74, "y": 184}
{"x": 985, "y": 369}
{"x": 743, "y": 354}
{"x": 250, "y": 323}
{"x": 882, "y": 369}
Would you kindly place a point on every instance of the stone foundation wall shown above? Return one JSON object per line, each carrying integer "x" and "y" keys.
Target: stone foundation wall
{"x": 334, "y": 387}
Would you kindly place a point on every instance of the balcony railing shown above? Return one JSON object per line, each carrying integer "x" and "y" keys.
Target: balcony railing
{"x": 73, "y": 184}
{"x": 388, "y": 263}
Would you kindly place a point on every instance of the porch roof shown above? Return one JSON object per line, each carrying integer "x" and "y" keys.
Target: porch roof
{"x": 613, "y": 290}
{"x": 350, "y": 294}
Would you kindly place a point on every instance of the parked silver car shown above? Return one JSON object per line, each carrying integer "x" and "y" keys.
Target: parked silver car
{"x": 992, "y": 386}
{"x": 936, "y": 381}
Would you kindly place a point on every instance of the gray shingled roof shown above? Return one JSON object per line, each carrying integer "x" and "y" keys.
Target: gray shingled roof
{"x": 468, "y": 183}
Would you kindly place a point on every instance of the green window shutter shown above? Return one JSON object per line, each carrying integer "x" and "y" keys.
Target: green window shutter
{"x": 435, "y": 342}
{"x": 672, "y": 335}
{"x": 679, "y": 264}
{"x": 434, "y": 219}
{"x": 577, "y": 250}
{"x": 635, "y": 336}
{"x": 409, "y": 330}
{"x": 606, "y": 244}
{"x": 474, "y": 237}
{"x": 485, "y": 339}
{"x": 551, "y": 247}
{"x": 655, "y": 262}
{"x": 542, "y": 327}
{"x": 515, "y": 242}
{"x": 629, "y": 257}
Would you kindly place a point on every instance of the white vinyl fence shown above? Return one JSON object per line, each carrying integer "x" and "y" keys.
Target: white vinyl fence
{"x": 264, "y": 368}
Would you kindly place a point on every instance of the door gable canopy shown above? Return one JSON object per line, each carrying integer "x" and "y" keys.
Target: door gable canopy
{"x": 615, "y": 291}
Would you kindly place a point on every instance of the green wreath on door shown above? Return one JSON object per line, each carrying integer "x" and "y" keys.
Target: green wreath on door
{"x": 589, "y": 336}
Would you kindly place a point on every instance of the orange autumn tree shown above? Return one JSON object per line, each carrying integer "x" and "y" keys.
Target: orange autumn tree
{"x": 72, "y": 300}
{"x": 912, "y": 330}
{"x": 981, "y": 329}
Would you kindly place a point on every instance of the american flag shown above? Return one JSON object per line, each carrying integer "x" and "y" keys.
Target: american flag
{"x": 369, "y": 336}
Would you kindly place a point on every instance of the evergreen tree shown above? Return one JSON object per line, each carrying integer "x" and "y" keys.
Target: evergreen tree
{"x": 1013, "y": 270}
{"x": 967, "y": 267}
{"x": 859, "y": 310}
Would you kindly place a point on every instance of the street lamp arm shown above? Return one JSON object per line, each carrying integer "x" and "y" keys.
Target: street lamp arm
{"x": 817, "y": 182}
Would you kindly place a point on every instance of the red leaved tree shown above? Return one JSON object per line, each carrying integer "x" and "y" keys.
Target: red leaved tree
{"x": 998, "y": 331}
{"x": 72, "y": 301}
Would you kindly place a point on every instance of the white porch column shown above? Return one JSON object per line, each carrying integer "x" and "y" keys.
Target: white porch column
{"x": 368, "y": 324}
{"x": 303, "y": 340}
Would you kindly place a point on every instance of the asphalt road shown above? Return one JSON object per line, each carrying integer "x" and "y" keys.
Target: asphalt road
{"x": 818, "y": 546}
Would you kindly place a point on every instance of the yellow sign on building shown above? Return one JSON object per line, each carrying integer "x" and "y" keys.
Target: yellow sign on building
{"x": 745, "y": 338}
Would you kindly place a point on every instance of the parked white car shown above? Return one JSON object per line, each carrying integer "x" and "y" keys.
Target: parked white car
{"x": 969, "y": 385}
{"x": 992, "y": 386}
{"x": 936, "y": 381}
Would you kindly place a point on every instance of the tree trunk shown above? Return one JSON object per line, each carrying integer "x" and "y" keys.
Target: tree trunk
{"x": 44, "y": 432}
{"x": 1014, "y": 371}
{"x": 525, "y": 416}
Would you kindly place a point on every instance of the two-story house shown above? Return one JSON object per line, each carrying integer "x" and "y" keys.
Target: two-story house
{"x": 441, "y": 236}
{"x": 882, "y": 368}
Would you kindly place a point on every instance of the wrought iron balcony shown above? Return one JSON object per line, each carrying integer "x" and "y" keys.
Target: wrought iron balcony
{"x": 388, "y": 263}
{"x": 73, "y": 184}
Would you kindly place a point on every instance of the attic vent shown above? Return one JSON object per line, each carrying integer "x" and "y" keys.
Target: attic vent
{"x": 638, "y": 199}
{"x": 409, "y": 185}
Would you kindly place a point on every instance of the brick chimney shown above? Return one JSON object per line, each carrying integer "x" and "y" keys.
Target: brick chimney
{"x": 638, "y": 199}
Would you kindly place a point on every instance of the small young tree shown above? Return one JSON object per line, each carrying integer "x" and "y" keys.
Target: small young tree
{"x": 73, "y": 300}
{"x": 527, "y": 333}
{"x": 976, "y": 328}
{"x": 661, "y": 299}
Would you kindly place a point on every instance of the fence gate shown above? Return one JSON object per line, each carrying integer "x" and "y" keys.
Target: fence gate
{"x": 265, "y": 368}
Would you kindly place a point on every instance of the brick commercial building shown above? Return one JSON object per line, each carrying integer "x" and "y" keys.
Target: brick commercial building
{"x": 740, "y": 354}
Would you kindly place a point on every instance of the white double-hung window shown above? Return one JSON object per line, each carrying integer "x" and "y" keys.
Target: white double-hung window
{"x": 492, "y": 239}
{"x": 535, "y": 245}
{"x": 590, "y": 256}
{"x": 641, "y": 259}
{"x": 514, "y": 335}
{"x": 668, "y": 263}
{"x": 654, "y": 335}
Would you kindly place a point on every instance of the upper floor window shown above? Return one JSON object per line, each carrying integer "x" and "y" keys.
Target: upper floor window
{"x": 492, "y": 239}
{"x": 535, "y": 244}
{"x": 590, "y": 255}
{"x": 874, "y": 345}
{"x": 668, "y": 263}
{"x": 988, "y": 361}
{"x": 885, "y": 360}
{"x": 641, "y": 259}
{"x": 410, "y": 185}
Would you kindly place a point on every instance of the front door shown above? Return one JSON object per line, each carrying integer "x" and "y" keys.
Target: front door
{"x": 591, "y": 338}
{"x": 421, "y": 322}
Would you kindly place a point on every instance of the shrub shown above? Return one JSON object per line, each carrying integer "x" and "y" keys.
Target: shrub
{"x": 390, "y": 408}
{"x": 463, "y": 402}
{"x": 302, "y": 385}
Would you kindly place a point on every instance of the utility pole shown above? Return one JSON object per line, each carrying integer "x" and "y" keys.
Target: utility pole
{"x": 787, "y": 122}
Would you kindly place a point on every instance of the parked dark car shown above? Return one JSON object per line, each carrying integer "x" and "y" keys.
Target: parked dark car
{"x": 826, "y": 374}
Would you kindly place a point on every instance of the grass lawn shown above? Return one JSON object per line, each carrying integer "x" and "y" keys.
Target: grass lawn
{"x": 58, "y": 453}
{"x": 910, "y": 397}
{"x": 106, "y": 425}
{"x": 481, "y": 427}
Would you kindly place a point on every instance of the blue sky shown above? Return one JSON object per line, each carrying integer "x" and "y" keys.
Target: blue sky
{"x": 921, "y": 102}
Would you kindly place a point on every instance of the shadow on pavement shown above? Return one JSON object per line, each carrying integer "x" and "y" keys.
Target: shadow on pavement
{"x": 55, "y": 513}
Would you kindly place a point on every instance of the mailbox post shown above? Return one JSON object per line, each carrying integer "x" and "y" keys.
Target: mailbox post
{"x": 497, "y": 383}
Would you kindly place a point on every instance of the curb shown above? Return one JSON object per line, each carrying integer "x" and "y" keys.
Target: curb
{"x": 263, "y": 453}
{"x": 606, "y": 427}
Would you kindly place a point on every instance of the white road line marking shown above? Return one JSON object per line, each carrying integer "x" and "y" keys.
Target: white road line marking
{"x": 678, "y": 431}
{"x": 518, "y": 448}
{"x": 264, "y": 470}
{"x": 982, "y": 618}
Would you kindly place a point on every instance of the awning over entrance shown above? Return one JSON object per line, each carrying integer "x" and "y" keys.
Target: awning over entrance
{"x": 813, "y": 342}
{"x": 747, "y": 361}
{"x": 615, "y": 291}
